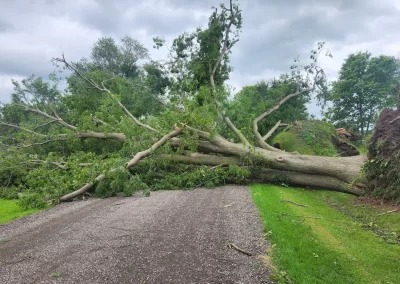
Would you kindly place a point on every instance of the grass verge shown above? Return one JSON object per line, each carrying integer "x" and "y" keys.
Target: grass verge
{"x": 10, "y": 210}
{"x": 329, "y": 240}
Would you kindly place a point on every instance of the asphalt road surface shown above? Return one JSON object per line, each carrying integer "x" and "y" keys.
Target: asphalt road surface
{"x": 169, "y": 237}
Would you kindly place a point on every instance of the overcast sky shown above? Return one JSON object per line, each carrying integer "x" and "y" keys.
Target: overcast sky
{"x": 274, "y": 32}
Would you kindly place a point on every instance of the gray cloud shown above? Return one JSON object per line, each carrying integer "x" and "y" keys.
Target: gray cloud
{"x": 274, "y": 32}
{"x": 5, "y": 27}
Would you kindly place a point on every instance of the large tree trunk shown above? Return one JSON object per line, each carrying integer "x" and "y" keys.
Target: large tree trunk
{"x": 272, "y": 175}
{"x": 346, "y": 169}
{"x": 334, "y": 173}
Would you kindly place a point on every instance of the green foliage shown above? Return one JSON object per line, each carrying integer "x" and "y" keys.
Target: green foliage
{"x": 117, "y": 181}
{"x": 252, "y": 101}
{"x": 308, "y": 137}
{"x": 135, "y": 184}
{"x": 12, "y": 171}
{"x": 119, "y": 59}
{"x": 10, "y": 192}
{"x": 35, "y": 90}
{"x": 362, "y": 145}
{"x": 365, "y": 86}
{"x": 51, "y": 170}
{"x": 170, "y": 175}
{"x": 47, "y": 182}
{"x": 31, "y": 201}
{"x": 195, "y": 54}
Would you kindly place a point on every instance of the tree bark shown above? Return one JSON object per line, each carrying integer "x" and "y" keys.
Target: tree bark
{"x": 345, "y": 169}
{"x": 83, "y": 189}
{"x": 101, "y": 135}
{"x": 338, "y": 171}
{"x": 269, "y": 175}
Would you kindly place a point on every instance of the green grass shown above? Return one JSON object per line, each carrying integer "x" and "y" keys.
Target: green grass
{"x": 362, "y": 146}
{"x": 10, "y": 210}
{"x": 308, "y": 138}
{"x": 291, "y": 143}
{"x": 328, "y": 241}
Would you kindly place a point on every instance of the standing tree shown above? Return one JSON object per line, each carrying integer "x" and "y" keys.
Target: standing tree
{"x": 182, "y": 145}
{"x": 365, "y": 87}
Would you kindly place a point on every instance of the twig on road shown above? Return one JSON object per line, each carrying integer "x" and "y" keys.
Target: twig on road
{"x": 233, "y": 246}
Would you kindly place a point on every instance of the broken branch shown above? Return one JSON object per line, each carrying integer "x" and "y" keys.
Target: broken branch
{"x": 83, "y": 189}
{"x": 294, "y": 203}
{"x": 387, "y": 212}
{"x": 233, "y": 246}
{"x": 155, "y": 146}
{"x": 273, "y": 129}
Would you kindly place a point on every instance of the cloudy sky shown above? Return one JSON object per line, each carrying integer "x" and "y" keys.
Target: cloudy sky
{"x": 274, "y": 32}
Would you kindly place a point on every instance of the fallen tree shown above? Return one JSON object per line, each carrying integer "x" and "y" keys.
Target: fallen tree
{"x": 190, "y": 129}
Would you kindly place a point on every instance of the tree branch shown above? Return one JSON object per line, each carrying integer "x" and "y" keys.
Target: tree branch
{"x": 273, "y": 129}
{"x": 131, "y": 163}
{"x": 101, "y": 135}
{"x": 44, "y": 124}
{"x": 236, "y": 131}
{"x": 57, "y": 164}
{"x": 104, "y": 89}
{"x": 99, "y": 121}
{"x": 22, "y": 128}
{"x": 154, "y": 147}
{"x": 55, "y": 118}
{"x": 225, "y": 47}
{"x": 83, "y": 189}
{"x": 224, "y": 50}
{"x": 201, "y": 159}
{"x": 41, "y": 143}
{"x": 80, "y": 134}
{"x": 257, "y": 134}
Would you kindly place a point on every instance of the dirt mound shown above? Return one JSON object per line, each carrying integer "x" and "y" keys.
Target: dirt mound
{"x": 383, "y": 168}
{"x": 344, "y": 148}
{"x": 314, "y": 137}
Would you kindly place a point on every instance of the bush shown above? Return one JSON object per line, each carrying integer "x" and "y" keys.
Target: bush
{"x": 32, "y": 200}
{"x": 10, "y": 192}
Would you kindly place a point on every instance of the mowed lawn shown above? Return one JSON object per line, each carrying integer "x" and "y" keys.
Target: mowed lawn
{"x": 10, "y": 210}
{"x": 330, "y": 239}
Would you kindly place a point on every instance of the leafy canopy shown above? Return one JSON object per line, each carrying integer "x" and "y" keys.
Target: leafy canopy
{"x": 365, "y": 86}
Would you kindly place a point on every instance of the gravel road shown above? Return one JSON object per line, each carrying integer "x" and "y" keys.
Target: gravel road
{"x": 169, "y": 237}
